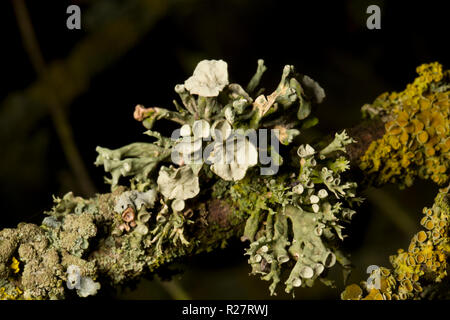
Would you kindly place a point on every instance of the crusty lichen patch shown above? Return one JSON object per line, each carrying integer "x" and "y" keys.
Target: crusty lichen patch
{"x": 84, "y": 233}
{"x": 417, "y": 138}
{"x": 415, "y": 270}
{"x": 41, "y": 268}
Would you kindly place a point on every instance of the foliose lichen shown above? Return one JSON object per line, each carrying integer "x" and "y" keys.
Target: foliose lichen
{"x": 296, "y": 220}
{"x": 166, "y": 210}
{"x": 85, "y": 286}
{"x": 215, "y": 117}
{"x": 209, "y": 78}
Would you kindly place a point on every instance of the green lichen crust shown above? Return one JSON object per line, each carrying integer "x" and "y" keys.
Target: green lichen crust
{"x": 416, "y": 142}
{"x": 86, "y": 233}
{"x": 417, "y": 271}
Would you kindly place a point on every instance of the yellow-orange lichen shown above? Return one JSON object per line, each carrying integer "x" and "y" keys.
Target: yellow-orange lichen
{"x": 426, "y": 258}
{"x": 15, "y": 265}
{"x": 417, "y": 138}
{"x": 13, "y": 294}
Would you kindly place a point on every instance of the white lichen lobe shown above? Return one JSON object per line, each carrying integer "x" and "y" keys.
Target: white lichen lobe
{"x": 209, "y": 78}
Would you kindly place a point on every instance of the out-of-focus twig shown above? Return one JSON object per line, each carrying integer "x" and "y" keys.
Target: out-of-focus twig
{"x": 390, "y": 207}
{"x": 59, "y": 118}
{"x": 174, "y": 289}
{"x": 28, "y": 37}
{"x": 104, "y": 44}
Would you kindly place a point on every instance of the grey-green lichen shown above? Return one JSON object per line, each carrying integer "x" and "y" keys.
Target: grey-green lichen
{"x": 86, "y": 233}
{"x": 180, "y": 183}
{"x": 293, "y": 219}
{"x": 296, "y": 219}
{"x": 214, "y": 121}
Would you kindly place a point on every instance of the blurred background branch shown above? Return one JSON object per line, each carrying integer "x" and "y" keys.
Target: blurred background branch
{"x": 59, "y": 84}
{"x": 174, "y": 289}
{"x": 394, "y": 211}
{"x": 59, "y": 118}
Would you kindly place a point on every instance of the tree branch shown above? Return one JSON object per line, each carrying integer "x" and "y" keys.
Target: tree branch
{"x": 92, "y": 239}
{"x": 113, "y": 247}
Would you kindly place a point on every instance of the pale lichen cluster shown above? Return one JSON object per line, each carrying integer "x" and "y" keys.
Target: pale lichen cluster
{"x": 215, "y": 112}
{"x": 415, "y": 271}
{"x": 417, "y": 137}
{"x": 215, "y": 117}
{"x": 166, "y": 211}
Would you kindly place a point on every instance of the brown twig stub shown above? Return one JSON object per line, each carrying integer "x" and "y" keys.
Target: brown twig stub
{"x": 364, "y": 133}
{"x": 219, "y": 212}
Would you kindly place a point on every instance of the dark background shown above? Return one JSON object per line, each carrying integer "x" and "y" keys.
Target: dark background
{"x": 327, "y": 40}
